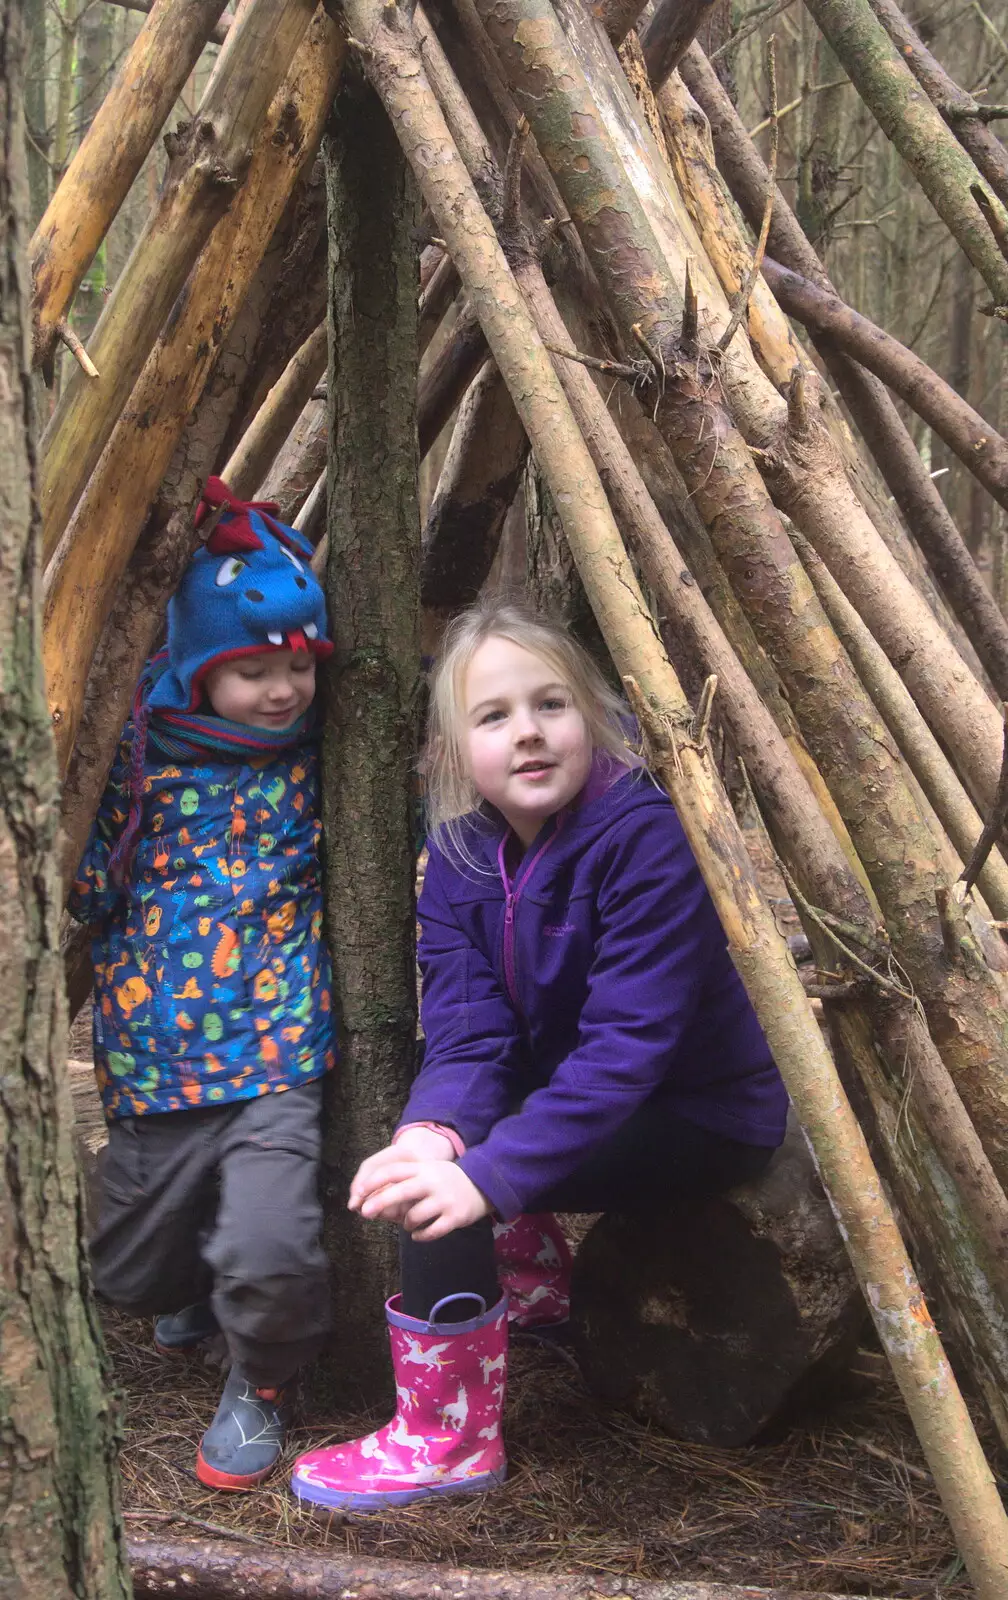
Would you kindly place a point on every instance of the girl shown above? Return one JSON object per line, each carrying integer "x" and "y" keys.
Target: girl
{"x": 589, "y": 1045}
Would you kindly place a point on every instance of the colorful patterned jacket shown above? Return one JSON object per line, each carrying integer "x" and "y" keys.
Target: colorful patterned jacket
{"x": 212, "y": 979}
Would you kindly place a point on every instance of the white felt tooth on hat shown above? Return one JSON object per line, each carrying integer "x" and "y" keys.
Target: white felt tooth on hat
{"x": 311, "y": 630}
{"x": 275, "y": 638}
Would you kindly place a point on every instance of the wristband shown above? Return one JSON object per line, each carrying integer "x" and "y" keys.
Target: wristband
{"x": 454, "y": 1139}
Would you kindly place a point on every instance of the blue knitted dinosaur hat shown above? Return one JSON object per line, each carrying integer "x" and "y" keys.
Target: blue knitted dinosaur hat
{"x": 248, "y": 588}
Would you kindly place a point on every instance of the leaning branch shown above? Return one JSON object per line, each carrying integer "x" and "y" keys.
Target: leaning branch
{"x": 964, "y": 116}
{"x": 742, "y": 298}
{"x": 868, "y": 400}
{"x": 994, "y": 826}
{"x": 978, "y": 446}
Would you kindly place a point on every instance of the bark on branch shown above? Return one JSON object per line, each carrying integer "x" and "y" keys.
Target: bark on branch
{"x": 869, "y": 401}
{"x": 217, "y": 1571}
{"x": 671, "y": 30}
{"x": 965, "y": 117}
{"x": 111, "y": 154}
{"x": 907, "y": 117}
{"x": 978, "y": 445}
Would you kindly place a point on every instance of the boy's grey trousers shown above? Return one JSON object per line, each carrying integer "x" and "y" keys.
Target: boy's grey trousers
{"x": 221, "y": 1203}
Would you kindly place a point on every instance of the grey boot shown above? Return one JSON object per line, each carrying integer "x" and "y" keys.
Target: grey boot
{"x": 243, "y": 1442}
{"x": 184, "y": 1330}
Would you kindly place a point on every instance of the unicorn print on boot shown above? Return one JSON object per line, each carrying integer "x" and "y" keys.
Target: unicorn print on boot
{"x": 534, "y": 1269}
{"x": 445, "y": 1437}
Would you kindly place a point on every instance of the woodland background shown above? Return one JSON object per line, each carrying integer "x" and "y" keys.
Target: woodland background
{"x": 887, "y": 252}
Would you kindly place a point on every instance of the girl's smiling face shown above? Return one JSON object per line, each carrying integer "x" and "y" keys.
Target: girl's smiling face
{"x": 269, "y": 689}
{"x": 528, "y": 749}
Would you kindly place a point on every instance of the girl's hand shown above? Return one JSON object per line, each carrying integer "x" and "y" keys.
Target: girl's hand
{"x": 427, "y": 1198}
{"x": 417, "y": 1144}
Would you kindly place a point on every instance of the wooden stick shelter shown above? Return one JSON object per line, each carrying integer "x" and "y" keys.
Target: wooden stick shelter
{"x": 589, "y": 299}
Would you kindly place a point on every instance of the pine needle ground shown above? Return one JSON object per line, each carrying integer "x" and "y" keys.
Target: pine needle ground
{"x": 841, "y": 1502}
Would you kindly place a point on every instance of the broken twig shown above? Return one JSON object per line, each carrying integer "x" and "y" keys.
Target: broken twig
{"x": 617, "y": 369}
{"x": 66, "y": 336}
{"x": 511, "y": 220}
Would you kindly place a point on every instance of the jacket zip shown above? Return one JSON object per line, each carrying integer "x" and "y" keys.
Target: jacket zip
{"x": 512, "y": 894}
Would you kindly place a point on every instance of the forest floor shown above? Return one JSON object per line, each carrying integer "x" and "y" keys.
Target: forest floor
{"x": 840, "y": 1501}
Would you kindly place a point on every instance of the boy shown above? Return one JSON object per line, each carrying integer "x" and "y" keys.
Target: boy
{"x": 212, "y": 1022}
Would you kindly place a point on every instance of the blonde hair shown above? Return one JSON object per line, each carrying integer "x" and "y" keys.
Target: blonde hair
{"x": 451, "y": 793}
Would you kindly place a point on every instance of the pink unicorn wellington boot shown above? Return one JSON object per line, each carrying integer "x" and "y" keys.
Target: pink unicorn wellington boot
{"x": 534, "y": 1268}
{"x": 445, "y": 1437}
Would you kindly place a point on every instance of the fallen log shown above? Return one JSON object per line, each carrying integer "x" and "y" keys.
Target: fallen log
{"x": 715, "y": 1318}
{"x": 214, "y": 1570}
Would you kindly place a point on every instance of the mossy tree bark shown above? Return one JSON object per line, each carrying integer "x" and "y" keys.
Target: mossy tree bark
{"x": 369, "y": 746}
{"x": 61, "y": 1530}
{"x": 907, "y": 117}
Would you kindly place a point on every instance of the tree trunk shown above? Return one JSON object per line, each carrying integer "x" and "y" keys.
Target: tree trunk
{"x": 58, "y": 1482}
{"x": 370, "y": 738}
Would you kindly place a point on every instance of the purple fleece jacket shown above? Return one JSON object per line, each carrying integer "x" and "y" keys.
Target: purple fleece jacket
{"x": 556, "y": 1001}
